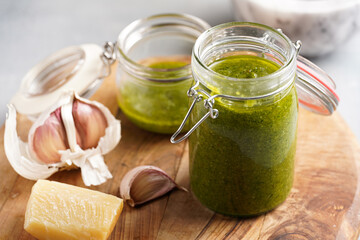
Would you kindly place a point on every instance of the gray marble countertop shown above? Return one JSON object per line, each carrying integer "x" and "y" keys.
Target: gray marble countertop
{"x": 32, "y": 29}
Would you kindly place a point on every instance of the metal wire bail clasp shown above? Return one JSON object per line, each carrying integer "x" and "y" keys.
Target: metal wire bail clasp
{"x": 208, "y": 104}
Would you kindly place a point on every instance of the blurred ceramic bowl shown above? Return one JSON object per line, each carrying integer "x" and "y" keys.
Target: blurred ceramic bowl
{"x": 321, "y": 25}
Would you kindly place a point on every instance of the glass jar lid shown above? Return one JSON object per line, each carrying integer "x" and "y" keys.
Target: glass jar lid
{"x": 78, "y": 68}
{"x": 315, "y": 88}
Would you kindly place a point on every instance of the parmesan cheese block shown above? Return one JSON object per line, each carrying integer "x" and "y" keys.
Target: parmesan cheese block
{"x": 61, "y": 211}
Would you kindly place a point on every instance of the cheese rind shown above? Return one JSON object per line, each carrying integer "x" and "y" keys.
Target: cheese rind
{"x": 61, "y": 211}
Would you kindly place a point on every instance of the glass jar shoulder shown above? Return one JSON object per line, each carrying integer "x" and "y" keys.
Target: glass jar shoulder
{"x": 272, "y": 110}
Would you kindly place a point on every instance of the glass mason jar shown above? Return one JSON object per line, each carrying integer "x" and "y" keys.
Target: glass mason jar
{"x": 154, "y": 69}
{"x": 242, "y": 157}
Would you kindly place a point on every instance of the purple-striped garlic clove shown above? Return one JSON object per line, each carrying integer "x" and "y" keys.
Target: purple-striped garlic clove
{"x": 90, "y": 124}
{"x": 145, "y": 183}
{"x": 49, "y": 138}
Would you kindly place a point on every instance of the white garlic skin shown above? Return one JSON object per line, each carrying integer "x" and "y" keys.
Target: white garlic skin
{"x": 145, "y": 183}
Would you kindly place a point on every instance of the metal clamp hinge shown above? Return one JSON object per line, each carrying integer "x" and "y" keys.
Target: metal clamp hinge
{"x": 108, "y": 57}
{"x": 208, "y": 104}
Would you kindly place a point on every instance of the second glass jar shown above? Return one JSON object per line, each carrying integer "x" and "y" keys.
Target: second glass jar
{"x": 154, "y": 69}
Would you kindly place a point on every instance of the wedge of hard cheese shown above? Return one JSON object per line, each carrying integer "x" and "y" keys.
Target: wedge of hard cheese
{"x": 61, "y": 211}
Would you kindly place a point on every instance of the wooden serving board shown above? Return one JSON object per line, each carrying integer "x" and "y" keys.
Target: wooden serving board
{"x": 323, "y": 204}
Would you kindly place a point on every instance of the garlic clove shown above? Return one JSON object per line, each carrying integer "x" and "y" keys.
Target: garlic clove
{"x": 90, "y": 123}
{"x": 145, "y": 183}
{"x": 113, "y": 131}
{"x": 49, "y": 138}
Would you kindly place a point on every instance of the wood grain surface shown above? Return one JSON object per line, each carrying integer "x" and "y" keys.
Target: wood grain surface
{"x": 324, "y": 202}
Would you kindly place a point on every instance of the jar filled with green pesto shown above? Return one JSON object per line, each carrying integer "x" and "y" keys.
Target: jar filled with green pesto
{"x": 244, "y": 116}
{"x": 154, "y": 70}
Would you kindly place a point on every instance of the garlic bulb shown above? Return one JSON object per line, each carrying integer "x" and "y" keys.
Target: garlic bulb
{"x": 145, "y": 183}
{"x": 73, "y": 132}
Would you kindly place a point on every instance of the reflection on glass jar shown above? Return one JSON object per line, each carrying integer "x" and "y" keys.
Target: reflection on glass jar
{"x": 242, "y": 162}
{"x": 154, "y": 71}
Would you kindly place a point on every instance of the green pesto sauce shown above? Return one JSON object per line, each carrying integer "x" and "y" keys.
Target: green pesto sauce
{"x": 245, "y": 66}
{"x": 242, "y": 162}
{"x": 156, "y": 106}
{"x": 168, "y": 65}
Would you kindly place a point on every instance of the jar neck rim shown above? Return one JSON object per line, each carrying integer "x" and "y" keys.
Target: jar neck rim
{"x": 162, "y": 20}
{"x": 196, "y": 56}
